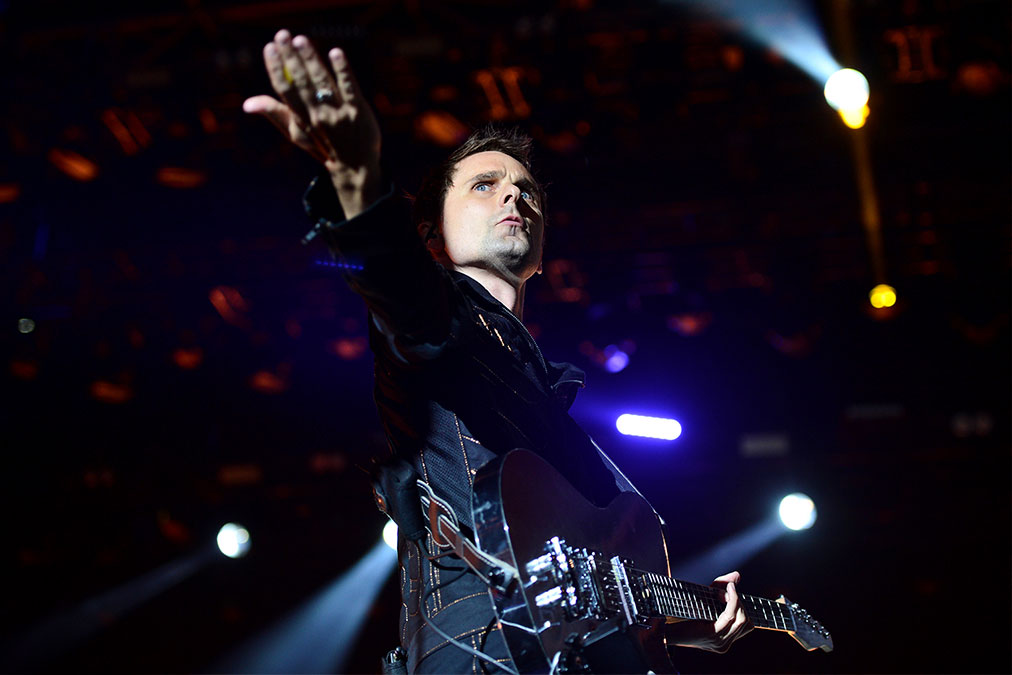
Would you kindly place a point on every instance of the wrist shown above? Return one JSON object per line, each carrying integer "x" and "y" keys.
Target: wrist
{"x": 357, "y": 188}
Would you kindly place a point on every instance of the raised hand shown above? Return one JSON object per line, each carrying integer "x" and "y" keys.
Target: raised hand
{"x": 325, "y": 114}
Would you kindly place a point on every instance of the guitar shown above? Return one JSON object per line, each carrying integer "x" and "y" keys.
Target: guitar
{"x": 588, "y": 588}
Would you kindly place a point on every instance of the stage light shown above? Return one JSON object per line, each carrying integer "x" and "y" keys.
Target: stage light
{"x": 882, "y": 296}
{"x": 846, "y": 89}
{"x": 233, "y": 540}
{"x": 788, "y": 27}
{"x": 615, "y": 359}
{"x": 390, "y": 534}
{"x": 649, "y": 427}
{"x": 797, "y": 511}
{"x": 25, "y": 326}
{"x": 854, "y": 118}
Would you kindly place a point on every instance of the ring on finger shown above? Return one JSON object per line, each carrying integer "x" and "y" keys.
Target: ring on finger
{"x": 324, "y": 95}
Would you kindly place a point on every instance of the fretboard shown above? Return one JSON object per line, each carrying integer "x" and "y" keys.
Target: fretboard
{"x": 683, "y": 600}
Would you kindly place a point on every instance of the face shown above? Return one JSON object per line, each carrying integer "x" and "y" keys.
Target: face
{"x": 491, "y": 217}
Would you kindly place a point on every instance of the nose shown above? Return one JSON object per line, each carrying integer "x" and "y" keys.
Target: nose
{"x": 511, "y": 192}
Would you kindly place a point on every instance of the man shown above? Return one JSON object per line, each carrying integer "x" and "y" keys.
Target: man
{"x": 458, "y": 378}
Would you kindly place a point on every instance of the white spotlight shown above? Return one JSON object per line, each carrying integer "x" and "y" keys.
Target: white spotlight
{"x": 390, "y": 534}
{"x": 846, "y": 89}
{"x": 797, "y": 511}
{"x": 651, "y": 427}
{"x": 233, "y": 540}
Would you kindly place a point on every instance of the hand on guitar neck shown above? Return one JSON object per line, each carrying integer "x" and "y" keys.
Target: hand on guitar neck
{"x": 716, "y": 636}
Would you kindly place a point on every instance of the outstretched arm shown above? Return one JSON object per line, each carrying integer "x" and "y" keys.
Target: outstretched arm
{"x": 717, "y": 636}
{"x": 325, "y": 114}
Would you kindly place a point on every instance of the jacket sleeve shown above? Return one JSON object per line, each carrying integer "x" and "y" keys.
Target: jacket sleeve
{"x": 383, "y": 260}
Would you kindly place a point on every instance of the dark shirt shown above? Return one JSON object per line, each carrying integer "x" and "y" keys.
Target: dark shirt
{"x": 459, "y": 380}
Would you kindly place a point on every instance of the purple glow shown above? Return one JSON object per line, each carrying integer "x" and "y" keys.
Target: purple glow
{"x": 615, "y": 359}
{"x": 650, "y": 427}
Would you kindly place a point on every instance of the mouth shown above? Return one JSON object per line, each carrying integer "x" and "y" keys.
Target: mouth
{"x": 512, "y": 220}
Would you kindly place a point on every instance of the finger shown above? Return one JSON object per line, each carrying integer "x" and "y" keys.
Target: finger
{"x": 726, "y": 617}
{"x": 281, "y": 82}
{"x": 271, "y": 108}
{"x": 281, "y": 117}
{"x": 318, "y": 74}
{"x": 347, "y": 85}
{"x": 297, "y": 71}
{"x": 729, "y": 577}
{"x": 742, "y": 625}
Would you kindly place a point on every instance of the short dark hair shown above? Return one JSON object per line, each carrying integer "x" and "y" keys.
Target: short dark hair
{"x": 428, "y": 203}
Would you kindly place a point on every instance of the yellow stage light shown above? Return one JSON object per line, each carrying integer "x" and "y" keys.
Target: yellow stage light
{"x": 882, "y": 295}
{"x": 854, "y": 118}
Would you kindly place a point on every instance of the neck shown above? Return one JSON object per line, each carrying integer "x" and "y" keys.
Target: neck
{"x": 508, "y": 292}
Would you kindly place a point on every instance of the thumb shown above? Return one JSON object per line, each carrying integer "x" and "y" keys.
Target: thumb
{"x": 274, "y": 110}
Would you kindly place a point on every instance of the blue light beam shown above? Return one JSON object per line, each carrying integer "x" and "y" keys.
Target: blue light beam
{"x": 318, "y": 636}
{"x": 730, "y": 554}
{"x": 789, "y": 27}
{"x": 50, "y": 638}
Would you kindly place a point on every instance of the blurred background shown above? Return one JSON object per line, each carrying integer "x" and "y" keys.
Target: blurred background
{"x": 173, "y": 359}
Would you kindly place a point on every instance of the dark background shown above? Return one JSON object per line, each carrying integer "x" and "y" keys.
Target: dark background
{"x": 191, "y": 363}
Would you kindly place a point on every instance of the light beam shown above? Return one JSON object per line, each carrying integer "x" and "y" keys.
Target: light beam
{"x": 318, "y": 636}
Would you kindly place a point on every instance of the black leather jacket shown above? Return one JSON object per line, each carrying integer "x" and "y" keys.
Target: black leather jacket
{"x": 458, "y": 377}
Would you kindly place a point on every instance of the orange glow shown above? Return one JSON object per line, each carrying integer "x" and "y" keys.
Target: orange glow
{"x": 180, "y": 178}
{"x": 267, "y": 382}
{"x": 119, "y": 130}
{"x": 240, "y": 474}
{"x": 441, "y": 128}
{"x": 855, "y": 118}
{"x": 188, "y": 359}
{"x": 511, "y": 82}
{"x": 690, "y": 323}
{"x": 24, "y": 370}
{"x": 230, "y": 304}
{"x": 137, "y": 129}
{"x": 323, "y": 462}
{"x": 9, "y": 192}
{"x": 74, "y": 165}
{"x": 349, "y": 349}
{"x": 208, "y": 121}
{"x": 487, "y": 82}
{"x": 110, "y": 392}
{"x": 172, "y": 529}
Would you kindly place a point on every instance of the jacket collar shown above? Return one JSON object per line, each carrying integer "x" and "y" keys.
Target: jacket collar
{"x": 565, "y": 379}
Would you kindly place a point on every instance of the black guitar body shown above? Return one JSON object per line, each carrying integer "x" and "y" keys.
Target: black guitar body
{"x": 519, "y": 503}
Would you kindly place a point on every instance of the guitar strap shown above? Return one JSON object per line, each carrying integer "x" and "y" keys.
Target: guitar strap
{"x": 410, "y": 502}
{"x": 446, "y": 534}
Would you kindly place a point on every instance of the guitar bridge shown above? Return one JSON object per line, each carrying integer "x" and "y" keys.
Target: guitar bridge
{"x": 584, "y": 584}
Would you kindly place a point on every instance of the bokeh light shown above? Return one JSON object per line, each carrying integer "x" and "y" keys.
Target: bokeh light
{"x": 882, "y": 296}
{"x": 649, "y": 427}
{"x": 233, "y": 540}
{"x": 797, "y": 511}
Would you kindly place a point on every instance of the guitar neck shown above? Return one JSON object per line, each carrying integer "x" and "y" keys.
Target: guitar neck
{"x": 673, "y": 598}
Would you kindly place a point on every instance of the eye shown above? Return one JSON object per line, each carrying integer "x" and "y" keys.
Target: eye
{"x": 527, "y": 195}
{"x": 483, "y": 187}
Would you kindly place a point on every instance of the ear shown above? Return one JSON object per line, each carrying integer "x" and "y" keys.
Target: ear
{"x": 431, "y": 236}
